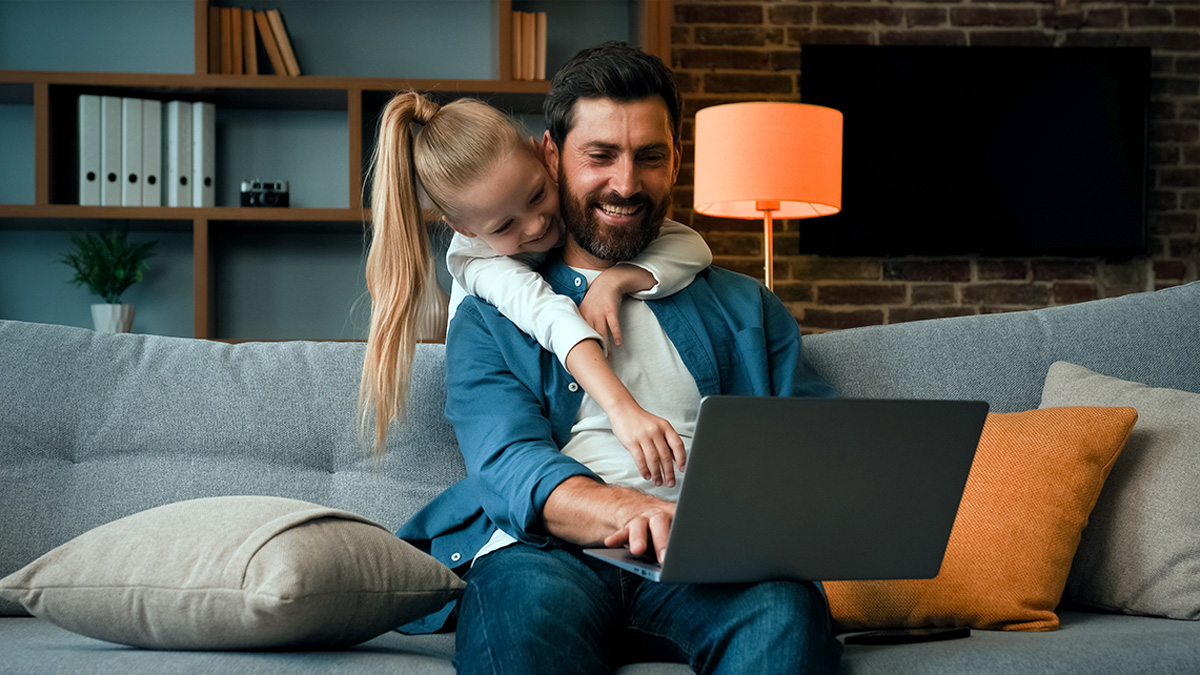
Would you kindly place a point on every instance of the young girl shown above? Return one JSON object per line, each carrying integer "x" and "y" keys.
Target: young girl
{"x": 487, "y": 181}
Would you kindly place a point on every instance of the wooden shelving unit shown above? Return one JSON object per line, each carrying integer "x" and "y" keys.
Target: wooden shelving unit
{"x": 53, "y": 97}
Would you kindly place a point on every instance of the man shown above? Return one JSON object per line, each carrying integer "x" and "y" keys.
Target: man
{"x": 545, "y": 472}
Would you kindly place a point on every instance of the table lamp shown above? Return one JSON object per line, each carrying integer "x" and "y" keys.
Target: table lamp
{"x": 768, "y": 160}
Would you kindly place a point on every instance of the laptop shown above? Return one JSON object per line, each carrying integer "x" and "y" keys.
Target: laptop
{"x": 816, "y": 489}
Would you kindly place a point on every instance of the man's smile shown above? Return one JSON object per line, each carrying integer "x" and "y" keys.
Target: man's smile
{"x": 613, "y": 210}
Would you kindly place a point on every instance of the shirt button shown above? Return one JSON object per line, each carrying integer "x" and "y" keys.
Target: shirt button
{"x": 578, "y": 282}
{"x": 455, "y": 557}
{"x": 573, "y": 387}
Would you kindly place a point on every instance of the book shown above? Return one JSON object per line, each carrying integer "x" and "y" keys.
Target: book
{"x": 236, "y": 43}
{"x": 249, "y": 47}
{"x": 528, "y": 48}
{"x": 232, "y": 48}
{"x": 539, "y": 58}
{"x": 515, "y": 65}
{"x": 285, "y": 44}
{"x": 268, "y": 38}
{"x": 226, "y": 38}
{"x": 529, "y": 45}
{"x": 214, "y": 40}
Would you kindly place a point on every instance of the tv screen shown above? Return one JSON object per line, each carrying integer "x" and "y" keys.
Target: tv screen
{"x": 990, "y": 151}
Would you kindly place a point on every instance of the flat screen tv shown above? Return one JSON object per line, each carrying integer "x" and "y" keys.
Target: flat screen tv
{"x": 984, "y": 151}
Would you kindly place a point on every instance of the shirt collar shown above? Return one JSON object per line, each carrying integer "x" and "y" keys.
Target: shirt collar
{"x": 562, "y": 278}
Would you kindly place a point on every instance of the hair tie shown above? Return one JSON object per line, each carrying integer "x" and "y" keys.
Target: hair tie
{"x": 424, "y": 110}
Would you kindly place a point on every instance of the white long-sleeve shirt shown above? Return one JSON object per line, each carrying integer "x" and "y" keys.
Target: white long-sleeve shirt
{"x": 511, "y": 284}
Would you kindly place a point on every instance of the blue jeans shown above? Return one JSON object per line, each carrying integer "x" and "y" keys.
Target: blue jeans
{"x": 527, "y": 610}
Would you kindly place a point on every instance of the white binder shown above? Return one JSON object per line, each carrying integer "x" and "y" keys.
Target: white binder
{"x": 131, "y": 152}
{"x": 89, "y": 150}
{"x": 152, "y": 153}
{"x": 110, "y": 150}
{"x": 179, "y": 153}
{"x": 203, "y": 148}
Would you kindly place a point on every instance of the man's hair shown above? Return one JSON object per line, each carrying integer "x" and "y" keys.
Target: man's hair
{"x": 612, "y": 70}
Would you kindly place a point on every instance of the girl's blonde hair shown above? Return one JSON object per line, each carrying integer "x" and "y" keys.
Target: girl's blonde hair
{"x": 457, "y": 144}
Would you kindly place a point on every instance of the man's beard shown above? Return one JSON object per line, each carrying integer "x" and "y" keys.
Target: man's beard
{"x": 605, "y": 242}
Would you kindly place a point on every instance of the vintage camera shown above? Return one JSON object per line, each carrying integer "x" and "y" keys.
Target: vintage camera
{"x": 264, "y": 193}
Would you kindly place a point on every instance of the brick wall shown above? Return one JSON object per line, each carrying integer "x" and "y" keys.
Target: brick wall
{"x": 726, "y": 51}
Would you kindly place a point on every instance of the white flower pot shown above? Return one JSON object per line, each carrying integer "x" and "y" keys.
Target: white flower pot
{"x": 112, "y": 318}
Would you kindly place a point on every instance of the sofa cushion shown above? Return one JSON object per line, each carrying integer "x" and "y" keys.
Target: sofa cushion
{"x": 101, "y": 426}
{"x": 234, "y": 573}
{"x": 1035, "y": 478}
{"x": 1139, "y": 553}
{"x": 1003, "y": 358}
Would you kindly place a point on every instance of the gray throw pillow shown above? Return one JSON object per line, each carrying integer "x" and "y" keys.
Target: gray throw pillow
{"x": 1140, "y": 553}
{"x": 234, "y": 573}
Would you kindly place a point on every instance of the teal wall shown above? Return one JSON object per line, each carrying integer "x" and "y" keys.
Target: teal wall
{"x": 35, "y": 285}
{"x": 303, "y": 285}
{"x": 307, "y": 148}
{"x": 117, "y": 36}
{"x": 16, "y": 155}
{"x": 368, "y": 38}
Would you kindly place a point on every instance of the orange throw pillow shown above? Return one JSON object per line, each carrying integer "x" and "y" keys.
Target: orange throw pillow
{"x": 1035, "y": 479}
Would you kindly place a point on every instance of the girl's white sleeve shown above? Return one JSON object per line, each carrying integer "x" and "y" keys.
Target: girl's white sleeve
{"x": 675, "y": 257}
{"x": 521, "y": 294}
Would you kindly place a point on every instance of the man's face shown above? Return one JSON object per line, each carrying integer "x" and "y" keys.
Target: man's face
{"x": 615, "y": 172}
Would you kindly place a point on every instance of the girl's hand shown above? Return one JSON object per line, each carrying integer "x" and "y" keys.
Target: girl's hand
{"x": 603, "y": 299}
{"x": 600, "y": 307}
{"x": 651, "y": 441}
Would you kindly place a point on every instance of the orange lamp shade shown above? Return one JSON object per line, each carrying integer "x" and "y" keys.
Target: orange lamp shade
{"x": 751, "y": 155}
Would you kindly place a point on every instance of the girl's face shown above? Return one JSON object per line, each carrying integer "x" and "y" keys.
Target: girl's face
{"x": 514, "y": 208}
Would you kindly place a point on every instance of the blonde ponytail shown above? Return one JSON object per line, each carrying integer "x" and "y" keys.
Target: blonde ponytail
{"x": 456, "y": 146}
{"x": 398, "y": 268}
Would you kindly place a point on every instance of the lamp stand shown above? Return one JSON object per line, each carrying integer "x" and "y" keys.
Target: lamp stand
{"x": 768, "y": 242}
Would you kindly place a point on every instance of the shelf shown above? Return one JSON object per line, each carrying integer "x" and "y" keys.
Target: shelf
{"x": 247, "y": 265}
{"x": 171, "y": 82}
{"x": 262, "y": 91}
{"x": 219, "y": 213}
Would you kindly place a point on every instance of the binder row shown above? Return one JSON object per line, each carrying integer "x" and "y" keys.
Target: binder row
{"x": 124, "y": 144}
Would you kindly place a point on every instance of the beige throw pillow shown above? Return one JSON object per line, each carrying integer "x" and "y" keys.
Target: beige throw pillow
{"x": 234, "y": 573}
{"x": 1140, "y": 553}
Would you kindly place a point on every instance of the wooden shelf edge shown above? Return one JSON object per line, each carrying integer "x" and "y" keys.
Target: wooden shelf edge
{"x": 303, "y": 82}
{"x": 220, "y": 213}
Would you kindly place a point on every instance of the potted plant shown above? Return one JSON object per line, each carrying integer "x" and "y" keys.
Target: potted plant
{"x": 108, "y": 264}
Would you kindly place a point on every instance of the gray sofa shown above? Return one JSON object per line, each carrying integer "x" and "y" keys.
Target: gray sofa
{"x": 94, "y": 427}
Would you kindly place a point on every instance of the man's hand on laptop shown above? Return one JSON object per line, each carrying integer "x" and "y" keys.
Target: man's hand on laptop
{"x": 585, "y": 512}
{"x": 649, "y": 529}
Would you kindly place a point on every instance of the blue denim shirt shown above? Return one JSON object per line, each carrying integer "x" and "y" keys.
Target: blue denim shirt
{"x": 512, "y": 403}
